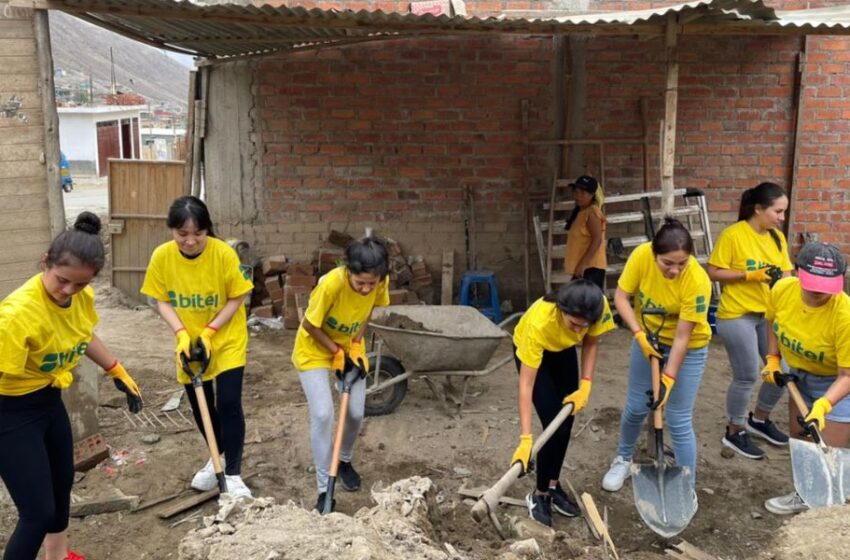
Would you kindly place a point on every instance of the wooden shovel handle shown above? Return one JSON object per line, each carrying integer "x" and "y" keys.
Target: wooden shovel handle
{"x": 798, "y": 399}
{"x": 208, "y": 428}
{"x": 340, "y": 429}
{"x": 657, "y": 415}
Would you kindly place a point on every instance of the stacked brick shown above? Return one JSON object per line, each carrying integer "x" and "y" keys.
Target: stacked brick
{"x": 300, "y": 281}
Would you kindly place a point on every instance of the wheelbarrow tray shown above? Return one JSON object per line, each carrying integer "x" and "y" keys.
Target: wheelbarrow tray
{"x": 451, "y": 338}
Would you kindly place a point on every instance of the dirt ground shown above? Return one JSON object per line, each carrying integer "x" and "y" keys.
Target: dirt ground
{"x": 417, "y": 439}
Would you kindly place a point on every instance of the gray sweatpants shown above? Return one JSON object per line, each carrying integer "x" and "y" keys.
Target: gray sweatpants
{"x": 317, "y": 387}
{"x": 745, "y": 339}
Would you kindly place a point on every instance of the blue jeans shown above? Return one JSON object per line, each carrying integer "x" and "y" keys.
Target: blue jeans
{"x": 678, "y": 413}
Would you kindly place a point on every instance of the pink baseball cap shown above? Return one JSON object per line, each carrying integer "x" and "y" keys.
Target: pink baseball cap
{"x": 820, "y": 268}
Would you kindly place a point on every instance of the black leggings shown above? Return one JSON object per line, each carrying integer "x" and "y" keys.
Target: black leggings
{"x": 557, "y": 377}
{"x": 37, "y": 466}
{"x": 228, "y": 420}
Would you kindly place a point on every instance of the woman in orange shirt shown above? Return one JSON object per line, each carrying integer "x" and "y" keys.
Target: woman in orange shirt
{"x": 585, "y": 252}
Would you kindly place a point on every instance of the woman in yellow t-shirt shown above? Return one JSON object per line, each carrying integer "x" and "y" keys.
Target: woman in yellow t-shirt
{"x": 584, "y": 256}
{"x": 334, "y": 324}
{"x": 200, "y": 286}
{"x": 809, "y": 327}
{"x": 545, "y": 341}
{"x": 46, "y": 327}
{"x": 749, "y": 257}
{"x": 663, "y": 274}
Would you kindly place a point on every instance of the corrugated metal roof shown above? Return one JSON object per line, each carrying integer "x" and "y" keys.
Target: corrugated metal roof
{"x": 241, "y": 28}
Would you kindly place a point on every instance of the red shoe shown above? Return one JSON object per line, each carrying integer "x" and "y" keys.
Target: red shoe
{"x": 74, "y": 556}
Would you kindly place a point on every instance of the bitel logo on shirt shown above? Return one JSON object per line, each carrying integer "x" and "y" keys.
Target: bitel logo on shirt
{"x": 342, "y": 327}
{"x": 796, "y": 346}
{"x": 60, "y": 359}
{"x": 192, "y": 301}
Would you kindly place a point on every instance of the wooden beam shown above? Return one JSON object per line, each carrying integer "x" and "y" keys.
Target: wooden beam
{"x": 55, "y": 203}
{"x": 190, "y": 133}
{"x": 793, "y": 195}
{"x": 448, "y": 277}
{"x": 577, "y": 101}
{"x": 671, "y": 98}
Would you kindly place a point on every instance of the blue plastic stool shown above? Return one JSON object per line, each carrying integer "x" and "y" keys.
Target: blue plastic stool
{"x": 489, "y": 306}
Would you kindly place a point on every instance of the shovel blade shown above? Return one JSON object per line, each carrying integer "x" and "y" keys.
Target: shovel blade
{"x": 664, "y": 497}
{"x": 821, "y": 474}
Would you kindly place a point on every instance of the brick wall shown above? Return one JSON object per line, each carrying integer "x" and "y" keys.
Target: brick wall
{"x": 390, "y": 134}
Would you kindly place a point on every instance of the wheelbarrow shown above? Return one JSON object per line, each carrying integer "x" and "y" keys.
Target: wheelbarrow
{"x": 452, "y": 341}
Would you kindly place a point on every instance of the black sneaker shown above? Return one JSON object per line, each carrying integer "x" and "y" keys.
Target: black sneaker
{"x": 766, "y": 430}
{"x": 741, "y": 443}
{"x": 349, "y": 477}
{"x": 320, "y": 503}
{"x": 562, "y": 503}
{"x": 540, "y": 508}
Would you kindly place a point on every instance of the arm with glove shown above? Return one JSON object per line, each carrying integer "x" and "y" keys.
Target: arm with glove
{"x": 522, "y": 454}
{"x": 627, "y": 314}
{"x": 99, "y": 354}
{"x": 839, "y": 389}
{"x": 580, "y": 397}
{"x": 678, "y": 350}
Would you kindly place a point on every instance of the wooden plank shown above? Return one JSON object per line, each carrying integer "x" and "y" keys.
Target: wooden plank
{"x": 109, "y": 504}
{"x": 793, "y": 195}
{"x": 191, "y": 501}
{"x": 16, "y": 47}
{"x": 671, "y": 97}
{"x": 448, "y": 277}
{"x": 190, "y": 133}
{"x": 20, "y": 152}
{"x": 16, "y": 28}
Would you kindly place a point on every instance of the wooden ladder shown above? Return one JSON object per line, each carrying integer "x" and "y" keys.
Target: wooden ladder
{"x": 689, "y": 207}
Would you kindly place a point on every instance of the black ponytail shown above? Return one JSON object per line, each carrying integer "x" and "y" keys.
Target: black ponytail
{"x": 763, "y": 194}
{"x": 79, "y": 245}
{"x": 579, "y": 298}
{"x": 368, "y": 255}
{"x": 673, "y": 236}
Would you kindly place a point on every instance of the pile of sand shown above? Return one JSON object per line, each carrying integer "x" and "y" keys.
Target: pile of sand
{"x": 397, "y": 527}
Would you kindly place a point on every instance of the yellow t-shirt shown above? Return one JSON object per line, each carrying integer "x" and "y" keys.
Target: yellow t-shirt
{"x": 813, "y": 339}
{"x": 197, "y": 290}
{"x": 685, "y": 297}
{"x": 340, "y": 312}
{"x": 41, "y": 342}
{"x": 579, "y": 239}
{"x": 542, "y": 328}
{"x": 739, "y": 247}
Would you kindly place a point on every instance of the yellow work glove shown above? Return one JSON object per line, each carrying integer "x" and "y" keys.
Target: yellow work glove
{"x": 664, "y": 389}
{"x": 358, "y": 355}
{"x": 184, "y": 344}
{"x": 126, "y": 385}
{"x": 817, "y": 414}
{"x": 772, "y": 371}
{"x": 760, "y": 275}
{"x": 63, "y": 380}
{"x": 206, "y": 339}
{"x": 579, "y": 398}
{"x": 646, "y": 347}
{"x": 523, "y": 452}
{"x": 338, "y": 361}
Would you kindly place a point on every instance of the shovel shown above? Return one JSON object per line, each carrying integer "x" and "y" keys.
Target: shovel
{"x": 487, "y": 505}
{"x": 353, "y": 373}
{"x": 664, "y": 495}
{"x": 821, "y": 473}
{"x": 199, "y": 355}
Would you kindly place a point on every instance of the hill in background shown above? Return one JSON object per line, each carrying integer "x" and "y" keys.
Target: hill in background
{"x": 81, "y": 49}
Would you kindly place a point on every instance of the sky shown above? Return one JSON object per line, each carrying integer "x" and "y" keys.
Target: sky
{"x": 183, "y": 59}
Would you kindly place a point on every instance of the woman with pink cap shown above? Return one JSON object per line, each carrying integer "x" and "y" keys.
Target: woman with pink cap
{"x": 809, "y": 316}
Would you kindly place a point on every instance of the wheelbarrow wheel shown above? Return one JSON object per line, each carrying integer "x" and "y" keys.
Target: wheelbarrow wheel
{"x": 385, "y": 401}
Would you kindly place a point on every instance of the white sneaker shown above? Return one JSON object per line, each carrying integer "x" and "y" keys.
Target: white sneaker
{"x": 617, "y": 474}
{"x": 786, "y": 505}
{"x": 236, "y": 487}
{"x": 204, "y": 479}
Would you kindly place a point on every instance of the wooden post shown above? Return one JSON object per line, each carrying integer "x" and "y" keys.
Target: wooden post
{"x": 559, "y": 98}
{"x": 578, "y": 99}
{"x": 55, "y": 203}
{"x": 671, "y": 98}
{"x": 448, "y": 277}
{"x": 644, "y": 113}
{"x": 190, "y": 133}
{"x": 798, "y": 126}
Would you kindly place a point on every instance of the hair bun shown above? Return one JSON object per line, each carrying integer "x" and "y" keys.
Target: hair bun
{"x": 88, "y": 222}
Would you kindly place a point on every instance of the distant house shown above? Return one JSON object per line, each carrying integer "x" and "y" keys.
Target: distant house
{"x": 89, "y": 136}
{"x": 163, "y": 143}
